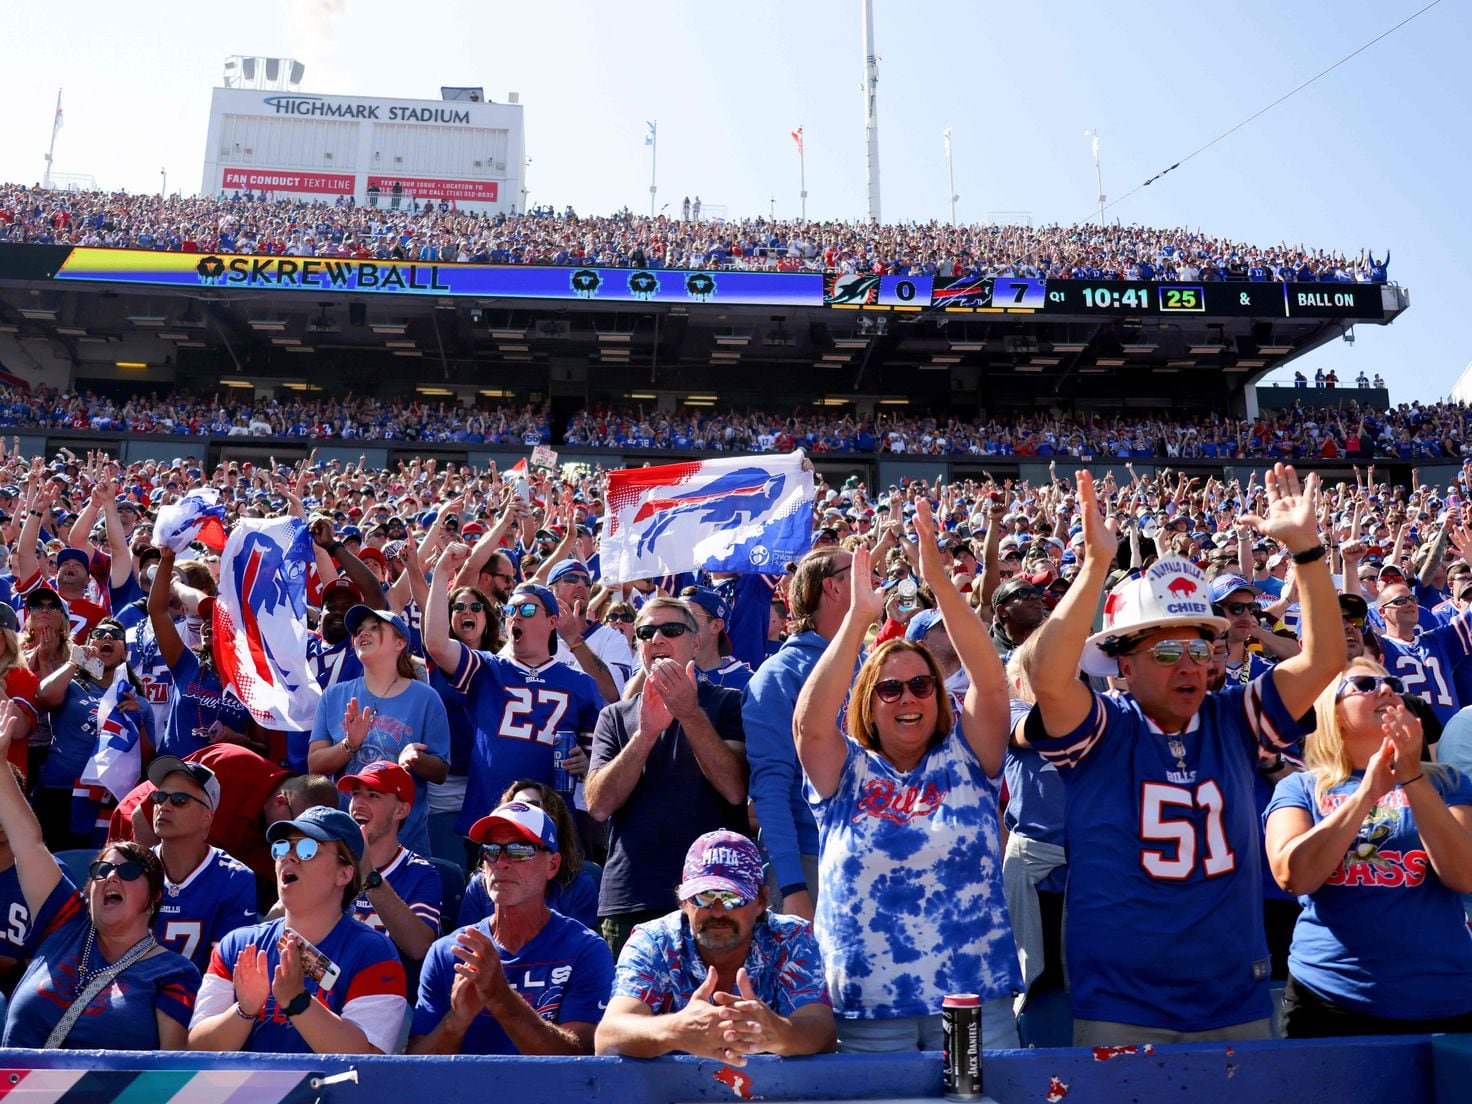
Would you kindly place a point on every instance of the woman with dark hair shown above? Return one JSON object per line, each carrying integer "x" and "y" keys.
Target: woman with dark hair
{"x": 475, "y": 621}
{"x": 73, "y": 693}
{"x": 911, "y": 906}
{"x": 1373, "y": 840}
{"x": 98, "y": 972}
{"x": 386, "y": 714}
{"x": 268, "y": 988}
{"x": 201, "y": 710}
{"x": 621, "y": 616}
{"x": 573, "y": 891}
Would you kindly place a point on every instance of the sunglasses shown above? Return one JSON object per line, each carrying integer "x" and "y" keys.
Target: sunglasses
{"x": 574, "y": 578}
{"x": 718, "y": 898}
{"x": 1357, "y": 622}
{"x": 516, "y": 852}
{"x": 890, "y": 690}
{"x": 671, "y": 630}
{"x": 526, "y": 609}
{"x": 1237, "y": 609}
{"x": 625, "y": 618}
{"x": 1369, "y": 684}
{"x": 44, "y": 607}
{"x": 129, "y": 871}
{"x": 177, "y": 799}
{"x": 306, "y": 849}
{"x": 1397, "y": 602}
{"x": 473, "y": 607}
{"x": 1021, "y": 594}
{"x": 1169, "y": 652}
{"x": 107, "y": 634}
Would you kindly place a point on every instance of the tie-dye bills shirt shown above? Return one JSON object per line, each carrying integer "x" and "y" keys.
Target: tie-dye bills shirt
{"x": 910, "y": 903}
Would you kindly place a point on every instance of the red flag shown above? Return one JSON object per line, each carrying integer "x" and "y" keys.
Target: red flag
{"x": 797, "y": 137}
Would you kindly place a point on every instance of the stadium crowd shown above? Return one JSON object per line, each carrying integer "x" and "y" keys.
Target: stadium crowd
{"x": 1414, "y": 431}
{"x": 539, "y": 809}
{"x": 258, "y": 223}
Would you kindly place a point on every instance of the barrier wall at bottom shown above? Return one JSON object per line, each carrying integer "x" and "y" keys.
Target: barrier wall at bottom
{"x": 1371, "y": 1071}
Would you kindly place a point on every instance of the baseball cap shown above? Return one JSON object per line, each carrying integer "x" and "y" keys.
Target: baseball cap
{"x": 73, "y": 554}
{"x": 567, "y": 567}
{"x": 371, "y": 553}
{"x": 1223, "y": 585}
{"x": 42, "y": 591}
{"x": 1391, "y": 569}
{"x": 324, "y": 825}
{"x": 708, "y": 600}
{"x": 383, "y": 776}
{"x": 541, "y": 594}
{"x": 921, "y": 624}
{"x": 342, "y": 586}
{"x": 8, "y": 619}
{"x": 1353, "y": 605}
{"x": 1009, "y": 588}
{"x": 534, "y": 824}
{"x": 358, "y": 614}
{"x": 204, "y": 778}
{"x": 350, "y": 532}
{"x": 722, "y": 860}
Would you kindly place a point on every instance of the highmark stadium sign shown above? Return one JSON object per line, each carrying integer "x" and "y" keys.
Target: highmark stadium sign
{"x": 347, "y": 109}
{"x": 948, "y": 295}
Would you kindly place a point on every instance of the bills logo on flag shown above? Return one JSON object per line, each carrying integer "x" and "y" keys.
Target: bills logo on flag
{"x": 746, "y": 515}
{"x": 261, "y": 621}
{"x": 117, "y": 761}
{"x": 198, "y": 516}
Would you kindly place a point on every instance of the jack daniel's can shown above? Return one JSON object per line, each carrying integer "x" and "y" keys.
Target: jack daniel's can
{"x": 960, "y": 1016}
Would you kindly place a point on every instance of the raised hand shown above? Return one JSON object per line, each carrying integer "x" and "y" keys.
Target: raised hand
{"x": 1292, "y": 508}
{"x": 865, "y": 600}
{"x": 1101, "y": 536}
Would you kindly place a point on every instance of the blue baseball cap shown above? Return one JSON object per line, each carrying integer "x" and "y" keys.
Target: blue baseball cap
{"x": 568, "y": 567}
{"x": 74, "y": 554}
{"x": 324, "y": 825}
{"x": 722, "y": 860}
{"x": 355, "y": 617}
{"x": 350, "y": 532}
{"x": 708, "y": 600}
{"x": 921, "y": 624}
{"x": 1224, "y": 585}
{"x": 541, "y": 594}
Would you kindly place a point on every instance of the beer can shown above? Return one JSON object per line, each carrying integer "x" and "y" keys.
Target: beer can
{"x": 960, "y": 1017}
{"x": 562, "y": 781}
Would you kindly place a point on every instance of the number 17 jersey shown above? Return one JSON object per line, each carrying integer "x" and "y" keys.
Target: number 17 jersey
{"x": 519, "y": 712}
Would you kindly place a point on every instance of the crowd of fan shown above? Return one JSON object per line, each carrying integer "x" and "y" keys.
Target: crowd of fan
{"x": 1415, "y": 431}
{"x": 463, "y": 624}
{"x": 258, "y": 223}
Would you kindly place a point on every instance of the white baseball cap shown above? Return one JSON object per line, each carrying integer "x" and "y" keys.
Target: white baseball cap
{"x": 1172, "y": 591}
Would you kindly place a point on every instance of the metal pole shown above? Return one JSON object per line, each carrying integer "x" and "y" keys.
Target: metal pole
{"x": 1098, "y": 175}
{"x": 802, "y": 177}
{"x": 871, "y": 111}
{"x": 653, "y": 161}
{"x": 951, "y": 170}
{"x": 163, "y": 187}
{"x": 51, "y": 149}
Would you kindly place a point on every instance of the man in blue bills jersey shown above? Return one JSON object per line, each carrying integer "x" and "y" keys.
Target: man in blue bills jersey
{"x": 525, "y": 980}
{"x": 1161, "y": 822}
{"x": 1426, "y": 659}
{"x": 206, "y": 892}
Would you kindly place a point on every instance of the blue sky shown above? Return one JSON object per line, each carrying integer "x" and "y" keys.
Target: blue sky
{"x": 1375, "y": 154}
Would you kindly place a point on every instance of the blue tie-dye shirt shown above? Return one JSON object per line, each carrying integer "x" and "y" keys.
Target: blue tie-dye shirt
{"x": 911, "y": 905}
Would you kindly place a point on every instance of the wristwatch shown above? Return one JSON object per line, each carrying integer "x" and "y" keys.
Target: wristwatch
{"x": 297, "y": 1005}
{"x": 372, "y": 882}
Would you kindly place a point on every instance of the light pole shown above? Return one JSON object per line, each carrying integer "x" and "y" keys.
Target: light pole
{"x": 1098, "y": 175}
{"x": 951, "y": 170}
{"x": 163, "y": 185}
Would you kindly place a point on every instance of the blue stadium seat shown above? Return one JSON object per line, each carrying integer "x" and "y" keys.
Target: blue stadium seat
{"x": 75, "y": 863}
{"x": 452, "y": 891}
{"x": 1046, "y": 1020}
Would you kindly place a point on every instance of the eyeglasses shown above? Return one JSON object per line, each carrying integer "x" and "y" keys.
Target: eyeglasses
{"x": 473, "y": 607}
{"x": 575, "y": 578}
{"x": 1397, "y": 602}
{"x": 1370, "y": 684}
{"x": 129, "y": 871}
{"x": 305, "y": 847}
{"x": 1357, "y": 622}
{"x": 670, "y": 630}
{"x": 516, "y": 852}
{"x": 108, "y": 634}
{"x": 625, "y": 618}
{"x": 1237, "y": 609}
{"x": 526, "y": 609}
{"x": 1022, "y": 594}
{"x": 889, "y": 690}
{"x": 718, "y": 898}
{"x": 177, "y": 798}
{"x": 1169, "y": 652}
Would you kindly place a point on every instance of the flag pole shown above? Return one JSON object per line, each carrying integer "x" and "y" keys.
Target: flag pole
{"x": 51, "y": 149}
{"x": 951, "y": 169}
{"x": 653, "y": 161}
{"x": 802, "y": 174}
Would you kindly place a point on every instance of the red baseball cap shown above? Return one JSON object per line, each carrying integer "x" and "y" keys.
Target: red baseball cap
{"x": 383, "y": 776}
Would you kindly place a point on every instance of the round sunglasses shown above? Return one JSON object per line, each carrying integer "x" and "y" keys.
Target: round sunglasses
{"x": 891, "y": 690}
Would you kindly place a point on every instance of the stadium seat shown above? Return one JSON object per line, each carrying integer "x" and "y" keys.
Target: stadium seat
{"x": 75, "y": 863}
{"x": 452, "y": 892}
{"x": 1046, "y": 1020}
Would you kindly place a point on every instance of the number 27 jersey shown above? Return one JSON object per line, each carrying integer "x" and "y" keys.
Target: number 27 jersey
{"x": 519, "y": 712}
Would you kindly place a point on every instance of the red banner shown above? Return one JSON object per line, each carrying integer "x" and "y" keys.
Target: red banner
{"x": 471, "y": 191}
{"x": 268, "y": 181}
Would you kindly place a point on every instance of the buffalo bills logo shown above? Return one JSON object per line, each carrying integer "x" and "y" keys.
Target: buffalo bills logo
{"x": 730, "y": 502}
{"x": 901, "y": 804}
{"x": 967, "y": 291}
{"x": 586, "y": 282}
{"x": 643, "y": 285}
{"x": 271, "y": 585}
{"x": 1181, "y": 588}
{"x": 700, "y": 285}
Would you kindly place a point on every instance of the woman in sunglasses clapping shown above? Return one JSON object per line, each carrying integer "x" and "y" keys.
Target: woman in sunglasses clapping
{"x": 99, "y": 980}
{"x": 910, "y": 904}
{"x": 1377, "y": 844}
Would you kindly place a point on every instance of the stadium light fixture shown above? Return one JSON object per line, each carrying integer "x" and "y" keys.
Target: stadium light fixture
{"x": 733, "y": 339}
{"x": 968, "y": 346}
{"x": 1244, "y": 364}
{"x": 286, "y": 341}
{"x": 1046, "y": 361}
{"x": 641, "y": 396}
{"x": 852, "y": 343}
{"x": 1180, "y": 364}
{"x": 1275, "y": 350}
{"x": 268, "y": 325}
{"x": 699, "y": 396}
{"x": 894, "y": 402}
{"x": 1066, "y": 346}
{"x": 700, "y": 402}
{"x": 239, "y": 383}
{"x": 389, "y": 329}
{"x": 152, "y": 321}
{"x": 409, "y": 344}
{"x": 495, "y": 393}
{"x": 1093, "y": 370}
{"x": 835, "y": 358}
{"x": 407, "y": 353}
{"x": 612, "y": 338}
{"x": 1142, "y": 349}
{"x": 7, "y": 327}
{"x": 516, "y": 348}
{"x": 172, "y": 335}
{"x": 424, "y": 390}
{"x": 39, "y": 314}
{"x": 299, "y": 348}
{"x": 1207, "y": 350}
{"x": 72, "y": 331}
{"x": 1110, "y": 362}
{"x": 191, "y": 345}
{"x": 938, "y": 359}
{"x": 133, "y": 365}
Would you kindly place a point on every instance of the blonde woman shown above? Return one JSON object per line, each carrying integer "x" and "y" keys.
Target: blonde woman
{"x": 1377, "y": 844}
